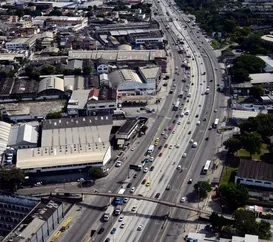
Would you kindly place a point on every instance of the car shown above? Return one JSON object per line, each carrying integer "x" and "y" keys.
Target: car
{"x": 152, "y": 168}
{"x": 125, "y": 200}
{"x": 160, "y": 147}
{"x": 163, "y": 132}
{"x": 173, "y": 132}
{"x": 160, "y": 154}
{"x": 190, "y": 181}
{"x": 133, "y": 208}
{"x": 166, "y": 146}
{"x": 132, "y": 189}
{"x": 183, "y": 199}
{"x": 210, "y": 127}
{"x": 146, "y": 169}
{"x": 168, "y": 187}
{"x": 174, "y": 85}
{"x": 177, "y": 115}
{"x": 198, "y": 123}
{"x": 196, "y": 115}
{"x": 148, "y": 183}
{"x": 140, "y": 227}
{"x": 157, "y": 195}
{"x": 189, "y": 132}
{"x": 179, "y": 167}
{"x": 152, "y": 158}
{"x": 215, "y": 110}
{"x": 179, "y": 123}
{"x": 122, "y": 225}
{"x": 177, "y": 146}
{"x": 120, "y": 219}
{"x": 191, "y": 141}
{"x": 174, "y": 121}
{"x": 170, "y": 128}
{"x": 113, "y": 231}
{"x": 129, "y": 185}
{"x": 135, "y": 175}
{"x": 144, "y": 181}
{"x": 170, "y": 147}
{"x": 207, "y": 138}
{"x": 101, "y": 230}
{"x": 184, "y": 155}
{"x": 107, "y": 240}
{"x": 182, "y": 115}
{"x": 133, "y": 148}
{"x": 211, "y": 80}
{"x": 165, "y": 136}
{"x": 118, "y": 163}
{"x": 204, "y": 119}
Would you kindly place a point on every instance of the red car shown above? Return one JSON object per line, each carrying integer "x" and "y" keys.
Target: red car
{"x": 160, "y": 154}
{"x": 170, "y": 128}
{"x": 144, "y": 181}
{"x": 166, "y": 146}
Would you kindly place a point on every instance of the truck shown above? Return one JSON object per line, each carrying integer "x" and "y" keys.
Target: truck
{"x": 107, "y": 214}
{"x": 118, "y": 210}
{"x": 119, "y": 200}
{"x": 151, "y": 149}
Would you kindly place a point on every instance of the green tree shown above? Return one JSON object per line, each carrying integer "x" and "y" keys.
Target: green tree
{"x": 77, "y": 71}
{"x": 87, "y": 70}
{"x": 96, "y": 172}
{"x": 10, "y": 178}
{"x": 233, "y": 144}
{"x": 55, "y": 12}
{"x": 202, "y": 188}
{"x": 55, "y": 115}
{"x": 252, "y": 142}
{"x": 239, "y": 75}
{"x": 218, "y": 222}
{"x": 48, "y": 70}
{"x": 234, "y": 195}
{"x": 250, "y": 63}
{"x": 256, "y": 92}
{"x": 264, "y": 230}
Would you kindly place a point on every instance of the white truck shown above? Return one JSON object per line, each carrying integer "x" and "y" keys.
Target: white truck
{"x": 118, "y": 210}
{"x": 107, "y": 214}
{"x": 207, "y": 91}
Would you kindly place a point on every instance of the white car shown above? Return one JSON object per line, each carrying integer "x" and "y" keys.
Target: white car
{"x": 210, "y": 127}
{"x": 182, "y": 115}
{"x": 120, "y": 219}
{"x": 122, "y": 225}
{"x": 125, "y": 200}
{"x": 184, "y": 155}
{"x": 173, "y": 132}
{"x": 118, "y": 164}
{"x": 163, "y": 133}
{"x": 179, "y": 167}
{"x": 171, "y": 146}
{"x": 133, "y": 209}
{"x": 198, "y": 123}
{"x": 152, "y": 158}
{"x": 177, "y": 146}
{"x": 191, "y": 141}
{"x": 179, "y": 123}
{"x": 183, "y": 199}
{"x": 140, "y": 227}
{"x": 133, "y": 148}
{"x": 146, "y": 169}
{"x": 215, "y": 110}
{"x": 132, "y": 189}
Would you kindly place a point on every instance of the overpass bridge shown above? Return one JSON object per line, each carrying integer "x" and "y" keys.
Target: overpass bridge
{"x": 141, "y": 197}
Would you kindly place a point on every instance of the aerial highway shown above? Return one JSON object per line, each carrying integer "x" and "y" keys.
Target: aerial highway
{"x": 148, "y": 215}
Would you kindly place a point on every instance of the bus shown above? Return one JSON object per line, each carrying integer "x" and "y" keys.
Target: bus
{"x": 206, "y": 167}
{"x": 151, "y": 149}
{"x": 215, "y": 124}
{"x": 176, "y": 105}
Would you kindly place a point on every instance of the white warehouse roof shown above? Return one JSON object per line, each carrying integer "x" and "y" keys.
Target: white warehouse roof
{"x": 4, "y": 136}
{"x": 51, "y": 82}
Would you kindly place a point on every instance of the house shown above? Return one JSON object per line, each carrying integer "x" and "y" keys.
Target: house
{"x": 262, "y": 79}
{"x": 241, "y": 89}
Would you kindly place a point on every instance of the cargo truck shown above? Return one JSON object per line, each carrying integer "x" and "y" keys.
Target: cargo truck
{"x": 107, "y": 214}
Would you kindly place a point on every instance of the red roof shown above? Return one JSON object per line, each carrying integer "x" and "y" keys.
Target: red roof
{"x": 94, "y": 93}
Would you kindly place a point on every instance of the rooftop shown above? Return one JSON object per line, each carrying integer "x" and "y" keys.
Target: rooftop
{"x": 268, "y": 61}
{"x": 79, "y": 98}
{"x": 4, "y": 135}
{"x": 126, "y": 128}
{"x": 149, "y": 72}
{"x": 6, "y": 86}
{"x": 240, "y": 114}
{"x": 25, "y": 86}
{"x": 18, "y": 41}
{"x": 118, "y": 55}
{"x": 261, "y": 78}
{"x": 268, "y": 38}
{"x": 255, "y": 170}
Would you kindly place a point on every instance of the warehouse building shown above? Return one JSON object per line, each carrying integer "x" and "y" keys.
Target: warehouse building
{"x": 69, "y": 144}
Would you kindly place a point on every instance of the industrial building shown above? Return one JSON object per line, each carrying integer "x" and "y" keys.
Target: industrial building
{"x": 69, "y": 144}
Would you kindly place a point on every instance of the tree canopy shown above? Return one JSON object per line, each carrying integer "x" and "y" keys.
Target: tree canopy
{"x": 252, "y": 142}
{"x": 202, "y": 188}
{"x": 9, "y": 178}
{"x": 233, "y": 144}
{"x": 96, "y": 172}
{"x": 234, "y": 195}
{"x": 256, "y": 91}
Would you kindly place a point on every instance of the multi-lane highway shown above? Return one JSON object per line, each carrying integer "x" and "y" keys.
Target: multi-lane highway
{"x": 152, "y": 217}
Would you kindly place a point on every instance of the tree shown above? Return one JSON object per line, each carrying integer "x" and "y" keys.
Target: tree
{"x": 48, "y": 70}
{"x": 250, "y": 63}
{"x": 55, "y": 115}
{"x": 77, "y": 71}
{"x": 10, "y": 178}
{"x": 233, "y": 144}
{"x": 202, "y": 188}
{"x": 87, "y": 70}
{"x": 252, "y": 142}
{"x": 256, "y": 92}
{"x": 239, "y": 75}
{"x": 218, "y": 222}
{"x": 234, "y": 195}
{"x": 96, "y": 172}
{"x": 55, "y": 12}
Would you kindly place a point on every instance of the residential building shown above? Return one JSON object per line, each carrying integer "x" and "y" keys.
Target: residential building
{"x": 77, "y": 103}
{"x": 255, "y": 174}
{"x": 268, "y": 62}
{"x": 150, "y": 75}
{"x": 241, "y": 89}
{"x": 262, "y": 79}
{"x": 39, "y": 217}
{"x": 240, "y": 116}
{"x": 21, "y": 44}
